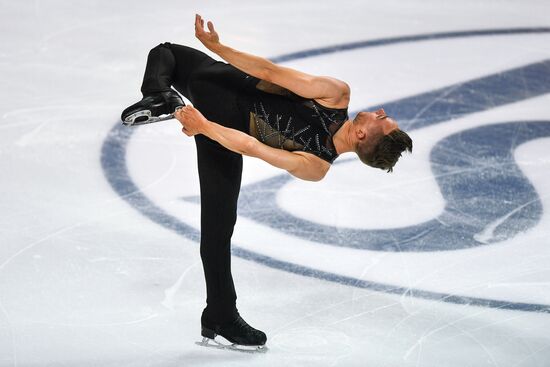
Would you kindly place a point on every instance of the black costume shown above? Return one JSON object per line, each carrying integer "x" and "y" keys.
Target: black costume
{"x": 237, "y": 100}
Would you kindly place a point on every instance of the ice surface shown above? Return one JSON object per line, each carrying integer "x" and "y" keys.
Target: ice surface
{"x": 442, "y": 263}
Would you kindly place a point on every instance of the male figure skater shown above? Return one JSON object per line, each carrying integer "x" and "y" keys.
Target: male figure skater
{"x": 251, "y": 106}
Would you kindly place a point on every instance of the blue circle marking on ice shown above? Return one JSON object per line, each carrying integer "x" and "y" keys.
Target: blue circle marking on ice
{"x": 471, "y": 158}
{"x": 506, "y": 220}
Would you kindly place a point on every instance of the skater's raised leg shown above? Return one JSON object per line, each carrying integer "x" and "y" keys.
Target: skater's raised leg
{"x": 158, "y": 96}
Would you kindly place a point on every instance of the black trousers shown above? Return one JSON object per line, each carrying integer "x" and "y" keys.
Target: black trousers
{"x": 212, "y": 87}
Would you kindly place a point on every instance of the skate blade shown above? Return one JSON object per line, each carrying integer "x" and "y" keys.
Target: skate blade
{"x": 213, "y": 343}
{"x": 144, "y": 117}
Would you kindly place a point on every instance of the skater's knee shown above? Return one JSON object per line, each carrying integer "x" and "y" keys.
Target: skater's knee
{"x": 161, "y": 47}
{"x": 170, "y": 45}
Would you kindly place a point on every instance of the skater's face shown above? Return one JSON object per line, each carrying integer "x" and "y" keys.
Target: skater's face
{"x": 372, "y": 125}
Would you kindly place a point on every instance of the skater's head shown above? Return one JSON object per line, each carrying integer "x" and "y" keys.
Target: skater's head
{"x": 378, "y": 140}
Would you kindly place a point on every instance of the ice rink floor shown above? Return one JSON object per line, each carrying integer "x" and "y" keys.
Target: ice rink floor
{"x": 444, "y": 262}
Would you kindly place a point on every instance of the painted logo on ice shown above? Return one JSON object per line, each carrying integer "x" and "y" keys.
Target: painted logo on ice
{"x": 505, "y": 203}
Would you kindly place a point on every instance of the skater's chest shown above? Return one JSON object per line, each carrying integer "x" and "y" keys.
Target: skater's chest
{"x": 296, "y": 125}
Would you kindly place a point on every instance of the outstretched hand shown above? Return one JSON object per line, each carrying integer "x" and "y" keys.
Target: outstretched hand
{"x": 192, "y": 120}
{"x": 209, "y": 39}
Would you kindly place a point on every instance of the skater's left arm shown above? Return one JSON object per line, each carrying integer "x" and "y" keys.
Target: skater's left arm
{"x": 299, "y": 164}
{"x": 331, "y": 90}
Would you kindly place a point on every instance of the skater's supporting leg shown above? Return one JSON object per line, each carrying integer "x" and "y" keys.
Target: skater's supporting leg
{"x": 220, "y": 180}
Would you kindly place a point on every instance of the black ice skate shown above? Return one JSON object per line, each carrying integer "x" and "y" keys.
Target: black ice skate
{"x": 237, "y": 335}
{"x": 153, "y": 107}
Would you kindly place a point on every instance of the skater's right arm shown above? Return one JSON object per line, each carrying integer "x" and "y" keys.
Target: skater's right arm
{"x": 334, "y": 92}
{"x": 302, "y": 165}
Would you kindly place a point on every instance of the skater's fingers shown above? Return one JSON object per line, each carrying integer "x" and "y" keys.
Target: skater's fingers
{"x": 210, "y": 26}
{"x": 184, "y": 114}
{"x": 184, "y": 130}
{"x": 188, "y": 113}
{"x": 188, "y": 108}
{"x": 198, "y": 26}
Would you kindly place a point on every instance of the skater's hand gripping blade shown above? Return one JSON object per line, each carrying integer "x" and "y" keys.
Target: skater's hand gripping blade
{"x": 218, "y": 344}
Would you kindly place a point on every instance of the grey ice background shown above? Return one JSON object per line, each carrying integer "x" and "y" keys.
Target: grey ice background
{"x": 86, "y": 280}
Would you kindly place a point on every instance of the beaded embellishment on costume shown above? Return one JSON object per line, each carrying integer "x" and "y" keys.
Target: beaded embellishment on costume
{"x": 273, "y": 135}
{"x": 268, "y": 128}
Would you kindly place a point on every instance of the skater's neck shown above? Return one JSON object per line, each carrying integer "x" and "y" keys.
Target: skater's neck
{"x": 343, "y": 139}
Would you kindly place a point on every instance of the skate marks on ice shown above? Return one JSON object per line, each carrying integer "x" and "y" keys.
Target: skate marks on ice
{"x": 170, "y": 293}
{"x": 533, "y": 83}
{"x": 322, "y": 342}
{"x": 39, "y": 118}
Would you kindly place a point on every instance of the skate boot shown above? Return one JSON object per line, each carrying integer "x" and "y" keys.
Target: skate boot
{"x": 238, "y": 336}
{"x": 153, "y": 107}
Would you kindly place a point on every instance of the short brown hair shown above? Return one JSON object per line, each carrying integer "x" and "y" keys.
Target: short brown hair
{"x": 384, "y": 152}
